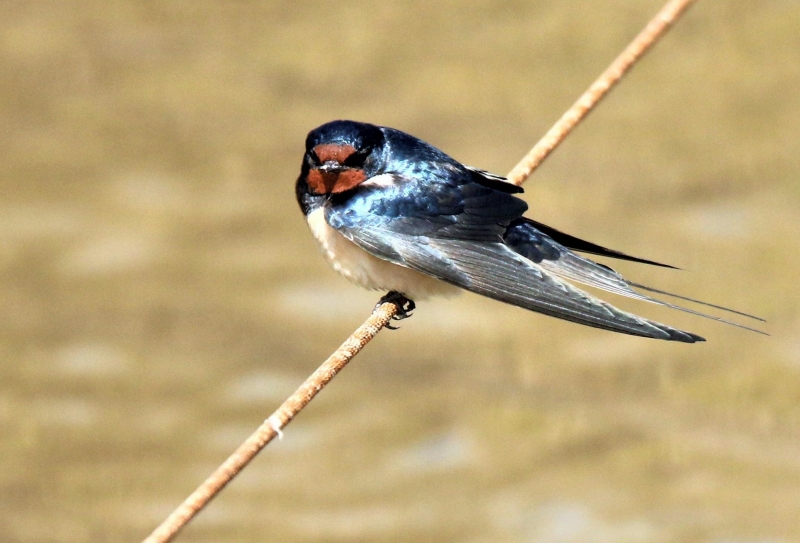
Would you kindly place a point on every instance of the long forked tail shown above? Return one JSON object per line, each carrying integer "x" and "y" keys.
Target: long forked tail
{"x": 582, "y": 270}
{"x": 527, "y": 238}
{"x": 665, "y": 293}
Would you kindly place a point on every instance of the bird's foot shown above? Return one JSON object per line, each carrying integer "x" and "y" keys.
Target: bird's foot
{"x": 404, "y": 306}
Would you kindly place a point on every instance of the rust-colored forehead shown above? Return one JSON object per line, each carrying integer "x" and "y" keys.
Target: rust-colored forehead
{"x": 338, "y": 152}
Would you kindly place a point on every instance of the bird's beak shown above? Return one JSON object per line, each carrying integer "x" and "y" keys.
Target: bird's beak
{"x": 331, "y": 166}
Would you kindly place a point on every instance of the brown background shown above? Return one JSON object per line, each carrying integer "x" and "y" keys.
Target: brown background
{"x": 160, "y": 292}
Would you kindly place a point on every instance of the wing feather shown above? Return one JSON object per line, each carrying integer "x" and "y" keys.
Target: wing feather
{"x": 454, "y": 228}
{"x": 493, "y": 270}
{"x": 497, "y": 272}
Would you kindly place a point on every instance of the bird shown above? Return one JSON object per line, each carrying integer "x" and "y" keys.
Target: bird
{"x": 391, "y": 212}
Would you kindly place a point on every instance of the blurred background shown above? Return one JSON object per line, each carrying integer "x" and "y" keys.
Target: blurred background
{"x": 160, "y": 293}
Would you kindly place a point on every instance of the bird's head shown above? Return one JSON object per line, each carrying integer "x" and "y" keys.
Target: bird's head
{"x": 340, "y": 155}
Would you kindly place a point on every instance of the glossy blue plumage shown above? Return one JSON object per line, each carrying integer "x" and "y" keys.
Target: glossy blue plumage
{"x": 422, "y": 210}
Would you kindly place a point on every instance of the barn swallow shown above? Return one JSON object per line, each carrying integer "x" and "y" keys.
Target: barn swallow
{"x": 391, "y": 212}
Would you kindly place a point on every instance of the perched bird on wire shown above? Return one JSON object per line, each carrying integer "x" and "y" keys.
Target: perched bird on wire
{"x": 391, "y": 212}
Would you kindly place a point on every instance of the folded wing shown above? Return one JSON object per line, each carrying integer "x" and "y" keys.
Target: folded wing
{"x": 493, "y": 270}
{"x": 462, "y": 244}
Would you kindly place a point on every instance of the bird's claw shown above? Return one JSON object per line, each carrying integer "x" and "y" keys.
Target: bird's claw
{"x": 404, "y": 306}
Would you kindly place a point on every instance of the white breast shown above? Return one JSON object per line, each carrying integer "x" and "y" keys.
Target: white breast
{"x": 371, "y": 272}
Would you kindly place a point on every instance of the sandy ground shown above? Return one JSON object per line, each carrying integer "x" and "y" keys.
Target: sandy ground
{"x": 160, "y": 293}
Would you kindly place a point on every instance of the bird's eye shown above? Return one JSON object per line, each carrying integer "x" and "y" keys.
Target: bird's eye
{"x": 312, "y": 157}
{"x": 357, "y": 159}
